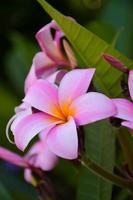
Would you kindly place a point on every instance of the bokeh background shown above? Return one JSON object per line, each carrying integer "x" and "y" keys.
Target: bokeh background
{"x": 112, "y": 20}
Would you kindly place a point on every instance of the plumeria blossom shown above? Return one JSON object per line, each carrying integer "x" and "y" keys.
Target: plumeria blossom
{"x": 124, "y": 106}
{"x": 39, "y": 156}
{"x": 59, "y": 110}
{"x": 52, "y": 55}
{"x": 45, "y": 65}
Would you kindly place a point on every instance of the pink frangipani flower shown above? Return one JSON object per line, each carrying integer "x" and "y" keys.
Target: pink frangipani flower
{"x": 59, "y": 110}
{"x": 124, "y": 106}
{"x": 52, "y": 56}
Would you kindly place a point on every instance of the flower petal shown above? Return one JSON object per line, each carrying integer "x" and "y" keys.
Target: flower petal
{"x": 130, "y": 83}
{"x": 124, "y": 109}
{"x": 50, "y": 46}
{"x": 28, "y": 175}
{"x": 57, "y": 76}
{"x": 63, "y": 140}
{"x": 43, "y": 96}
{"x": 30, "y": 126}
{"x": 91, "y": 107}
{"x": 12, "y": 157}
{"x": 41, "y": 156}
{"x": 22, "y": 111}
{"x": 73, "y": 85}
{"x": 42, "y": 67}
{"x": 43, "y": 134}
{"x": 127, "y": 124}
{"x": 46, "y": 160}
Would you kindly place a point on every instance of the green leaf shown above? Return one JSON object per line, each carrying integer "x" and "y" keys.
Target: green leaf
{"x": 99, "y": 147}
{"x": 90, "y": 48}
{"x": 4, "y": 193}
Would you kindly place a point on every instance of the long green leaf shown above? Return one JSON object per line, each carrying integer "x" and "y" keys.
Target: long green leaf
{"x": 90, "y": 48}
{"x": 100, "y": 147}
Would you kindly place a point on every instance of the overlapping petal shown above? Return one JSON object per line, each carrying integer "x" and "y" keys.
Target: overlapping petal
{"x": 30, "y": 126}
{"x": 91, "y": 107}
{"x": 44, "y": 96}
{"x": 41, "y": 156}
{"x": 63, "y": 140}
{"x": 73, "y": 85}
{"x": 56, "y": 77}
{"x": 42, "y": 67}
{"x": 22, "y": 111}
{"x": 124, "y": 109}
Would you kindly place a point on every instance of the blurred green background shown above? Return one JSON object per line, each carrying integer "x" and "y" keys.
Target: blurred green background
{"x": 112, "y": 20}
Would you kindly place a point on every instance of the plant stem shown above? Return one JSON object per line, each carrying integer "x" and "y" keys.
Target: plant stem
{"x": 98, "y": 170}
{"x": 43, "y": 185}
{"x": 45, "y": 191}
{"x": 126, "y": 147}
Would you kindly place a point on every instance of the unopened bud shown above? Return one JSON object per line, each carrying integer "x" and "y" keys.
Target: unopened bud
{"x": 115, "y": 63}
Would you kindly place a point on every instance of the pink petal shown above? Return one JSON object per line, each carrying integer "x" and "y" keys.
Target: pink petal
{"x": 49, "y": 45}
{"x": 28, "y": 175}
{"x": 91, "y": 107}
{"x": 30, "y": 79}
{"x": 40, "y": 156}
{"x": 12, "y": 157}
{"x": 46, "y": 160}
{"x": 21, "y": 112}
{"x": 56, "y": 77}
{"x": 124, "y": 109}
{"x": 30, "y": 126}
{"x": 22, "y": 107}
{"x": 43, "y": 134}
{"x": 42, "y": 67}
{"x": 130, "y": 83}
{"x": 128, "y": 124}
{"x": 63, "y": 140}
{"x": 73, "y": 85}
{"x": 43, "y": 96}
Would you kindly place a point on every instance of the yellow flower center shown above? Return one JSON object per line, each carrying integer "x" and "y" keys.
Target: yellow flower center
{"x": 64, "y": 112}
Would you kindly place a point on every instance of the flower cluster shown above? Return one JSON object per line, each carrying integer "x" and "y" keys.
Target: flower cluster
{"x": 57, "y": 103}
